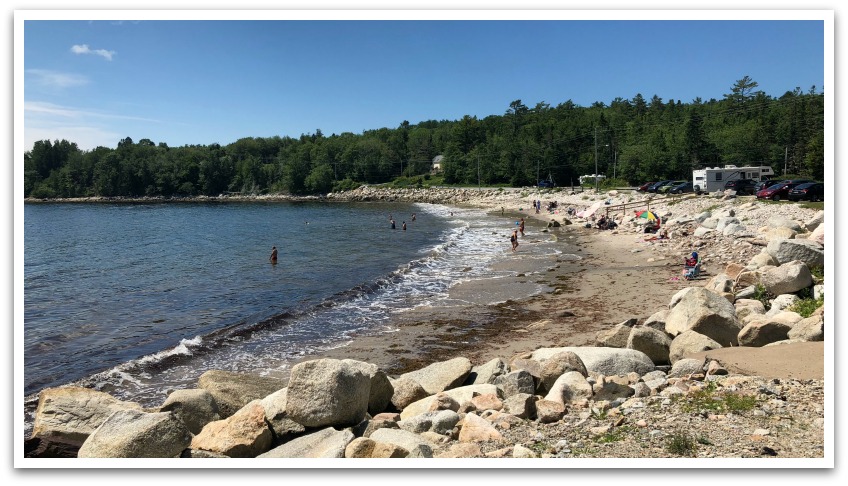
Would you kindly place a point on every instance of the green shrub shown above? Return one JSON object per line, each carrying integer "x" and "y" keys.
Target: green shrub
{"x": 681, "y": 444}
{"x": 761, "y": 294}
{"x": 345, "y": 185}
{"x": 806, "y": 307}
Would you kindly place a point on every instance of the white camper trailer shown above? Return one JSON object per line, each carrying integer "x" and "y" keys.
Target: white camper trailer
{"x": 713, "y": 179}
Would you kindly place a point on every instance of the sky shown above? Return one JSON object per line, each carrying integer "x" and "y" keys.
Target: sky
{"x": 181, "y": 81}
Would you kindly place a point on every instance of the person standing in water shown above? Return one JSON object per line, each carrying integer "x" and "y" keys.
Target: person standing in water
{"x": 413, "y": 216}
{"x": 521, "y": 227}
{"x": 273, "y": 257}
{"x": 393, "y": 224}
{"x": 514, "y": 240}
{"x": 404, "y": 226}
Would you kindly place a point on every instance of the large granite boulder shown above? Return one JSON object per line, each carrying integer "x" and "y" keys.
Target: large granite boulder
{"x": 785, "y": 250}
{"x": 606, "y": 361}
{"x": 73, "y": 413}
{"x": 327, "y": 443}
{"x": 381, "y": 387}
{"x": 414, "y": 443}
{"x": 809, "y": 329}
{"x": 243, "y": 434}
{"x": 689, "y": 342}
{"x": 766, "y": 330}
{"x": 569, "y": 387}
{"x": 232, "y": 391}
{"x": 133, "y": 433}
{"x": 282, "y": 426}
{"x": 520, "y": 381}
{"x": 787, "y": 278}
{"x": 706, "y": 313}
{"x": 441, "y": 376}
{"x": 616, "y": 337}
{"x": 559, "y": 364}
{"x": 406, "y": 391}
{"x": 328, "y": 392}
{"x": 655, "y": 344}
{"x": 460, "y": 395}
{"x": 487, "y": 372}
{"x": 194, "y": 407}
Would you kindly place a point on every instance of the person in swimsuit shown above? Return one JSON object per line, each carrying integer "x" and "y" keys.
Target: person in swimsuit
{"x": 273, "y": 257}
{"x": 521, "y": 227}
{"x": 403, "y": 226}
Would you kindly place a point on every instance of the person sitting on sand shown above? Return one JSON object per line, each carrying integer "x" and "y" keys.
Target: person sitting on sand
{"x": 602, "y": 222}
{"x": 692, "y": 260}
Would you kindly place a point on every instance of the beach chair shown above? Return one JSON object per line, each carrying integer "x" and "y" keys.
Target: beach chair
{"x": 692, "y": 271}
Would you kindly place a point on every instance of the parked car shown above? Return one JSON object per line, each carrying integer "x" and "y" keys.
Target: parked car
{"x": 656, "y": 185}
{"x": 664, "y": 189}
{"x": 780, "y": 190}
{"x": 546, "y": 184}
{"x": 812, "y": 191}
{"x": 741, "y": 186}
{"x": 682, "y": 188}
{"x": 763, "y": 184}
{"x": 644, "y": 187}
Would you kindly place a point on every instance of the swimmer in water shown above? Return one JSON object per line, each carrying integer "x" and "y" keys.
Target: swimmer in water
{"x": 273, "y": 257}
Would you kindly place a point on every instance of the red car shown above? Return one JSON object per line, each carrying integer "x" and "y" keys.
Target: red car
{"x": 644, "y": 187}
{"x": 780, "y": 190}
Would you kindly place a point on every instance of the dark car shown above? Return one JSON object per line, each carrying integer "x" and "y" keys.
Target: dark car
{"x": 742, "y": 186}
{"x": 780, "y": 190}
{"x": 546, "y": 184}
{"x": 668, "y": 187}
{"x": 809, "y": 191}
{"x": 644, "y": 187}
{"x": 682, "y": 188}
{"x": 762, "y": 185}
{"x": 656, "y": 185}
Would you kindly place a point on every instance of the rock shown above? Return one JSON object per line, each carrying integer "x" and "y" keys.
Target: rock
{"x": 689, "y": 342}
{"x": 548, "y": 411}
{"x": 516, "y": 382}
{"x": 406, "y": 391}
{"x": 232, "y": 391}
{"x": 459, "y": 395}
{"x": 487, "y": 402}
{"x": 488, "y": 372}
{"x": 557, "y": 365}
{"x": 388, "y": 451}
{"x": 787, "y": 278}
{"x": 328, "y": 392}
{"x": 762, "y": 259}
{"x": 441, "y": 376}
{"x": 522, "y": 405}
{"x": 610, "y": 389}
{"x": 720, "y": 283}
{"x": 71, "y": 414}
{"x": 779, "y": 233}
{"x": 360, "y": 448}
{"x": 809, "y": 329}
{"x": 519, "y": 451}
{"x": 784, "y": 222}
{"x": 443, "y": 401}
{"x": 617, "y": 336}
{"x": 440, "y": 422}
{"x": 655, "y": 344}
{"x": 784, "y": 251}
{"x": 815, "y": 221}
{"x": 656, "y": 320}
{"x": 476, "y": 429}
{"x": 413, "y": 443}
{"x": 817, "y": 235}
{"x": 781, "y": 303}
{"x": 381, "y": 387}
{"x": 606, "y": 361}
{"x": 767, "y": 330}
{"x": 732, "y": 270}
{"x": 686, "y": 367}
{"x": 461, "y": 450}
{"x": 676, "y": 298}
{"x": 282, "y": 427}
{"x": 133, "y": 433}
{"x": 243, "y": 434}
{"x": 569, "y": 387}
{"x": 194, "y": 407}
{"x": 706, "y": 313}
{"x": 327, "y": 443}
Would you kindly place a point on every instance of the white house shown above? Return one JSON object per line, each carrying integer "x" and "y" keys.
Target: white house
{"x": 437, "y": 164}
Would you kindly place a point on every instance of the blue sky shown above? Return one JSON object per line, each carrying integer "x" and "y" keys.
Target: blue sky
{"x": 186, "y": 82}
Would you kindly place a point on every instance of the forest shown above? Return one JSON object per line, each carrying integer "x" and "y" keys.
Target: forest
{"x": 629, "y": 140}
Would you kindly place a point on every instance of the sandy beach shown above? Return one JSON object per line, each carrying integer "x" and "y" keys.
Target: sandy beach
{"x": 620, "y": 276}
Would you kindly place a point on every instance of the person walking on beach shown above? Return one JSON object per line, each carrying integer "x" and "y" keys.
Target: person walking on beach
{"x": 273, "y": 257}
{"x": 521, "y": 227}
{"x": 514, "y": 240}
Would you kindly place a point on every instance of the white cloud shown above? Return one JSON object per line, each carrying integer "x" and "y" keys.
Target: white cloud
{"x": 84, "y": 49}
{"x": 56, "y": 79}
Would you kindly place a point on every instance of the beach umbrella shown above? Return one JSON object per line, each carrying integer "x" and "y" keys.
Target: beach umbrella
{"x": 590, "y": 210}
{"x": 649, "y": 215}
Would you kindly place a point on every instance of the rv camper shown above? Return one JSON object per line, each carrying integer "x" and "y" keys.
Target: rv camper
{"x": 713, "y": 179}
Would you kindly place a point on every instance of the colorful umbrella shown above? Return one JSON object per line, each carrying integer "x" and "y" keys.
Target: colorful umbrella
{"x": 649, "y": 215}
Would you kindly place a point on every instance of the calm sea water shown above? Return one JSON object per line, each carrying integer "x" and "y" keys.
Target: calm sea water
{"x": 138, "y": 299}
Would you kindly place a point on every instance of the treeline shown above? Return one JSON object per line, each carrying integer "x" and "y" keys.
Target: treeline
{"x": 634, "y": 140}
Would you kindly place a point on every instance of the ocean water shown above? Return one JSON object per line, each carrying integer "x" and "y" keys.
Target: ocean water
{"x": 139, "y": 299}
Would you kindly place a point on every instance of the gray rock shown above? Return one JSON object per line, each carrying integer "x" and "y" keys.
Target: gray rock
{"x": 406, "y": 391}
{"x": 282, "y": 426}
{"x": 460, "y": 395}
{"x": 381, "y": 387}
{"x": 522, "y": 405}
{"x": 809, "y": 329}
{"x": 784, "y": 222}
{"x": 606, "y": 361}
{"x": 328, "y": 392}
{"x": 785, "y": 250}
{"x": 487, "y": 372}
{"x": 516, "y": 382}
{"x": 569, "y": 387}
{"x": 440, "y": 422}
{"x": 417, "y": 446}
{"x": 815, "y": 221}
{"x": 194, "y": 407}
{"x": 133, "y": 433}
{"x": 557, "y": 365}
{"x": 657, "y": 320}
{"x": 706, "y": 313}
{"x": 685, "y": 367}
{"x": 781, "y": 303}
{"x": 655, "y": 344}
{"x": 441, "y": 376}
{"x": 690, "y": 342}
{"x": 73, "y": 413}
{"x": 616, "y": 337}
{"x": 242, "y": 434}
{"x": 762, "y": 259}
{"x": 787, "y": 278}
{"x": 327, "y": 443}
{"x": 232, "y": 391}
{"x": 763, "y": 331}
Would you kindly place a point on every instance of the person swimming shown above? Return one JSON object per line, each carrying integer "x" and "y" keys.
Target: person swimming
{"x": 273, "y": 257}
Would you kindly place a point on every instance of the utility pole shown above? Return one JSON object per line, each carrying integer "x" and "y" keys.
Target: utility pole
{"x": 596, "y": 159}
{"x": 785, "y": 158}
{"x": 478, "y": 171}
{"x": 614, "y": 163}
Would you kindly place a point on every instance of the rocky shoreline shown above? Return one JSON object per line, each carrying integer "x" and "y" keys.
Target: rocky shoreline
{"x": 647, "y": 387}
